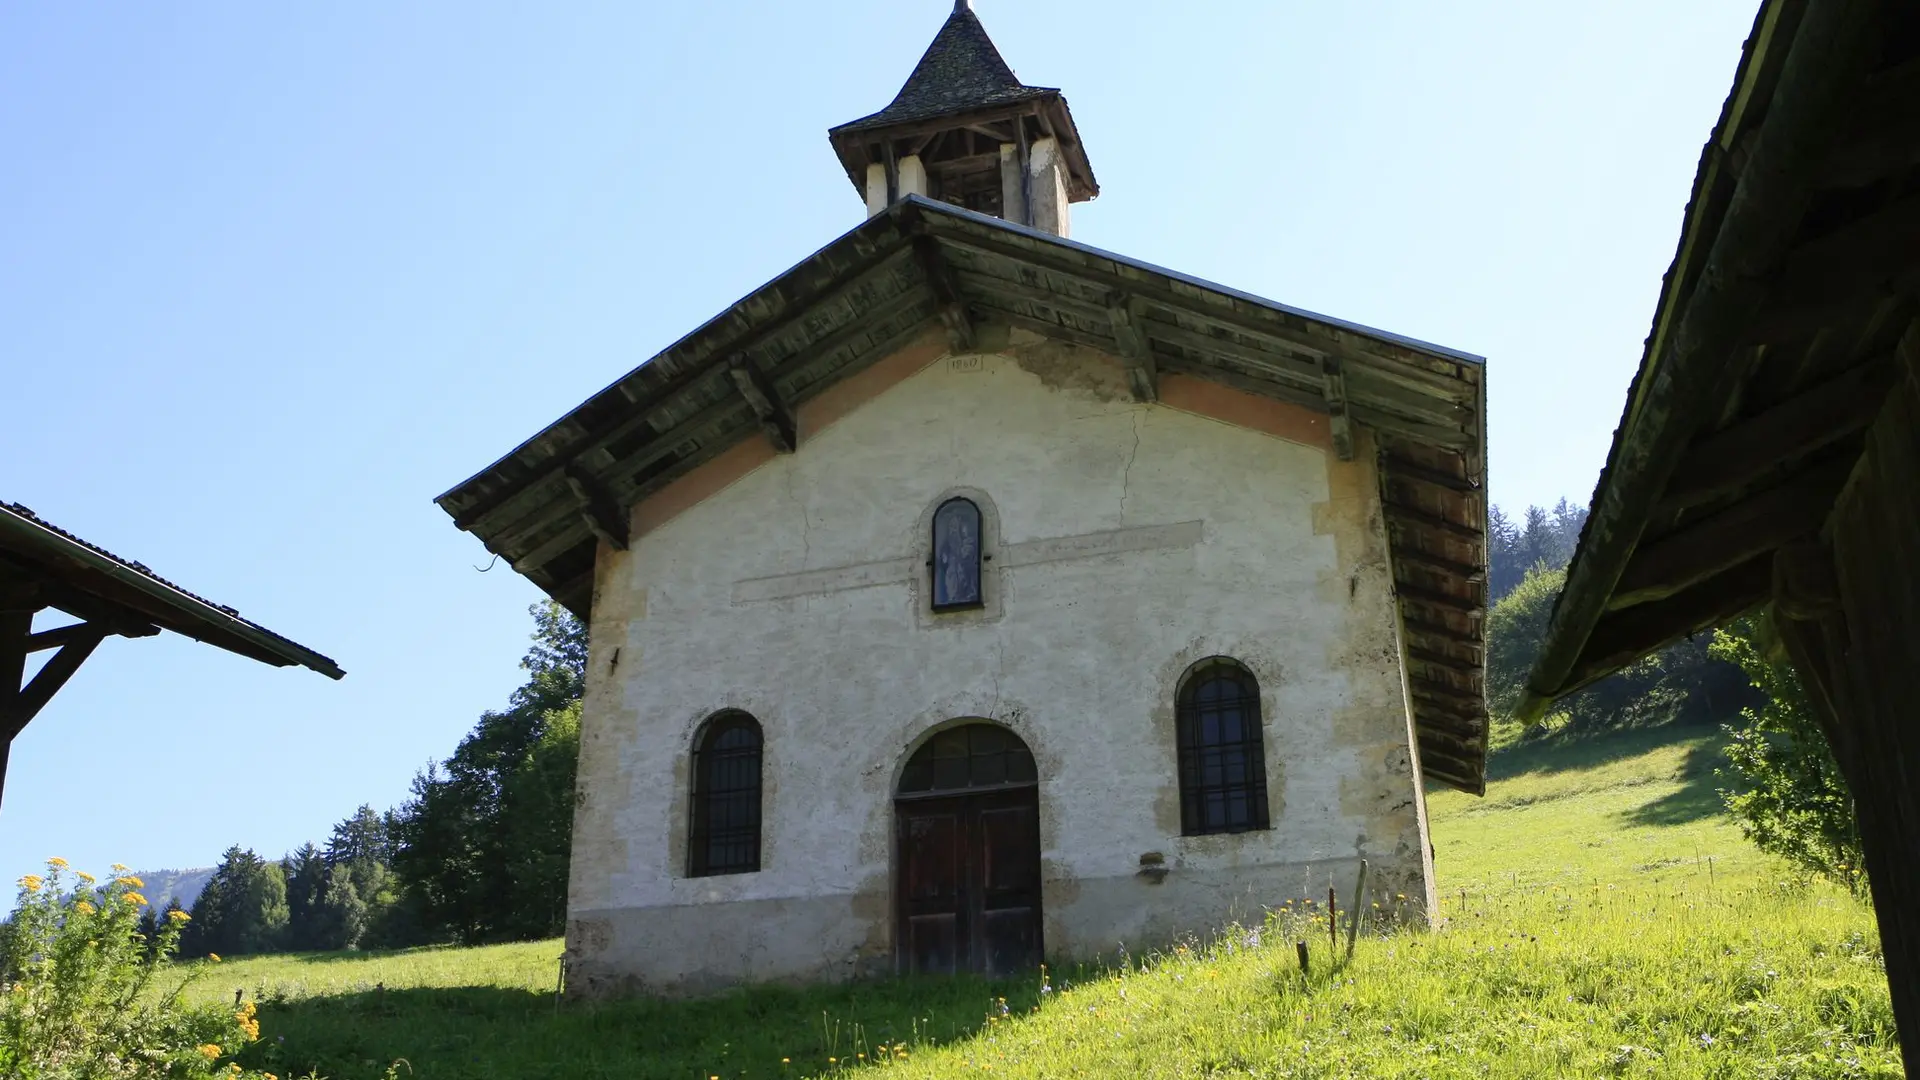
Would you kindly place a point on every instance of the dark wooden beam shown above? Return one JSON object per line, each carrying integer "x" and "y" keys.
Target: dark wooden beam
{"x": 1621, "y": 637}
{"x": 27, "y": 701}
{"x": 1727, "y": 460}
{"x": 1431, "y": 628}
{"x": 1438, "y": 564}
{"x": 1433, "y": 598}
{"x": 1135, "y": 352}
{"x": 946, "y": 292}
{"x": 1434, "y": 656}
{"x": 59, "y": 636}
{"x": 765, "y": 402}
{"x": 1398, "y": 468}
{"x": 602, "y": 516}
{"x": 1757, "y": 524}
{"x": 1412, "y": 517}
{"x": 1334, "y": 384}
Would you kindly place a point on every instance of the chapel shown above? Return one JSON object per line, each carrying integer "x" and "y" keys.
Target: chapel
{"x": 968, "y": 596}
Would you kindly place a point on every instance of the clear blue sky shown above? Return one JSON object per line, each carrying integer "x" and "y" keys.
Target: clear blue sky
{"x": 272, "y": 277}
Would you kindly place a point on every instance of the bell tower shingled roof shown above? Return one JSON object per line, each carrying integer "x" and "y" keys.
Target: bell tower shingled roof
{"x": 960, "y": 104}
{"x": 960, "y": 71}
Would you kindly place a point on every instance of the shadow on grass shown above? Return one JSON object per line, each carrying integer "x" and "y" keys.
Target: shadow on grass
{"x": 488, "y": 1032}
{"x": 1699, "y": 793}
{"x": 1563, "y": 751}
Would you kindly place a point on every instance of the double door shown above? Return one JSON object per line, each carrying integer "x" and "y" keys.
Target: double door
{"x": 968, "y": 887}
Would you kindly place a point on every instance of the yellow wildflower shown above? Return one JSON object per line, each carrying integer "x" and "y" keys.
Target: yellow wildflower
{"x": 214, "y": 956}
{"x": 209, "y": 1050}
{"x": 135, "y": 899}
{"x": 84, "y": 877}
{"x": 130, "y": 881}
{"x": 786, "y": 1061}
{"x": 57, "y": 863}
{"x": 178, "y": 916}
{"x": 83, "y": 907}
{"x": 32, "y": 882}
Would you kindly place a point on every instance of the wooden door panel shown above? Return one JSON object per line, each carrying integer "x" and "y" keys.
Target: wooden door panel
{"x": 1010, "y": 941}
{"x": 931, "y": 855}
{"x": 933, "y": 944}
{"x": 968, "y": 883}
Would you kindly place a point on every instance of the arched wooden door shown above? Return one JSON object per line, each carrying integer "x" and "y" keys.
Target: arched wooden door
{"x": 967, "y": 855}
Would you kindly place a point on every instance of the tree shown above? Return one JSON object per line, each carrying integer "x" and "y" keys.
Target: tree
{"x": 306, "y": 874}
{"x": 482, "y": 847}
{"x": 361, "y": 837}
{"x": 1790, "y": 798}
{"x": 243, "y": 909}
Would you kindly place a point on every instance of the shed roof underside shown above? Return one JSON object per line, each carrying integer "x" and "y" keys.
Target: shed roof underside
{"x": 44, "y": 566}
{"x": 1790, "y": 308}
{"x": 886, "y": 282}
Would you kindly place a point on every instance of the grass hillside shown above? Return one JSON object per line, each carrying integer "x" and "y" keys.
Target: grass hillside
{"x": 1603, "y": 920}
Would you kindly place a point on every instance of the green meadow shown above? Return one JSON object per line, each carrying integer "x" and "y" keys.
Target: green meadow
{"x": 1602, "y": 918}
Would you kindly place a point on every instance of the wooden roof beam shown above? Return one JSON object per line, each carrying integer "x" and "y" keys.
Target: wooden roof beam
{"x": 1728, "y": 460}
{"x": 946, "y": 293}
{"x": 1621, "y": 637}
{"x": 1701, "y": 550}
{"x": 1142, "y": 374}
{"x": 1334, "y": 383}
{"x": 774, "y": 416}
{"x": 602, "y": 516}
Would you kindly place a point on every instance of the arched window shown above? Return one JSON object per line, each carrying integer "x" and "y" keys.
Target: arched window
{"x": 956, "y": 556}
{"x": 1223, "y": 769}
{"x": 725, "y": 838}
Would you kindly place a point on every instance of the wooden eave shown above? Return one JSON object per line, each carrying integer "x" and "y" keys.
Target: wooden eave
{"x": 905, "y": 271}
{"x": 42, "y": 566}
{"x": 1790, "y": 307}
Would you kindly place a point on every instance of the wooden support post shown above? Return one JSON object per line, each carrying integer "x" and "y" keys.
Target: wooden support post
{"x": 1359, "y": 900}
{"x": 766, "y": 404}
{"x": 1333, "y": 382}
{"x": 1300, "y": 950}
{"x": 946, "y": 293}
{"x": 602, "y": 516}
{"x": 1333, "y": 925}
{"x": 16, "y": 627}
{"x": 1135, "y": 350}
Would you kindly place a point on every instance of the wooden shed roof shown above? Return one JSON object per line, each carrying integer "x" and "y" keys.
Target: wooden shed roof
{"x": 1789, "y": 309}
{"x": 46, "y": 566}
{"x": 545, "y": 506}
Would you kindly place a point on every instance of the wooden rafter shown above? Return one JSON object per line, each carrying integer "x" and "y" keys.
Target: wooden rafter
{"x": 1334, "y": 383}
{"x": 600, "y": 513}
{"x": 764, "y": 400}
{"x": 946, "y": 292}
{"x": 1124, "y": 313}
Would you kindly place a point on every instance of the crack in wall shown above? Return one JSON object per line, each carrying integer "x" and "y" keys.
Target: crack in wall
{"x": 1126, "y": 475}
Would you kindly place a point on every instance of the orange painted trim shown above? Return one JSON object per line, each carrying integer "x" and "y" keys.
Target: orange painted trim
{"x": 815, "y": 415}
{"x": 1281, "y": 419}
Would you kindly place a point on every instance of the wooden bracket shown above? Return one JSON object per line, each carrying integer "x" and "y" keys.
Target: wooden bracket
{"x": 1333, "y": 383}
{"x": 1805, "y": 586}
{"x": 600, "y": 513}
{"x": 1135, "y": 349}
{"x": 946, "y": 293}
{"x": 766, "y": 404}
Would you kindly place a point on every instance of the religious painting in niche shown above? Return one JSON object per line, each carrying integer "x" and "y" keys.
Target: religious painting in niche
{"x": 956, "y": 556}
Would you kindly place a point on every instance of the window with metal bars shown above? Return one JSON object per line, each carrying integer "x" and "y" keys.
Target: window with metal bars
{"x": 725, "y": 838}
{"x": 1223, "y": 768}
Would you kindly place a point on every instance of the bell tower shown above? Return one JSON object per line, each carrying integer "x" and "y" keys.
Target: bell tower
{"x": 964, "y": 130}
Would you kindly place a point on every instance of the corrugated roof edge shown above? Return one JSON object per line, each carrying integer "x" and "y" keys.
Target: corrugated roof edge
{"x": 189, "y": 604}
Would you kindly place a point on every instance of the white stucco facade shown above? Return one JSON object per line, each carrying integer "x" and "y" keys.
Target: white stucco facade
{"x": 1127, "y": 542}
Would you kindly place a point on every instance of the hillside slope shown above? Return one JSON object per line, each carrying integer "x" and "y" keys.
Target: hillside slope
{"x": 1603, "y": 920}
